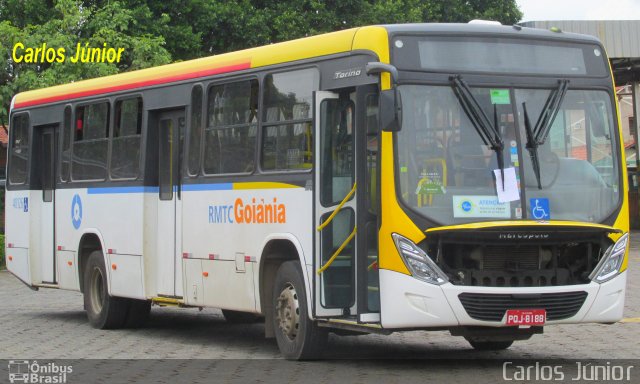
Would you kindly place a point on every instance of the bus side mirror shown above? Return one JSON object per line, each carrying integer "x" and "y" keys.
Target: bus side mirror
{"x": 390, "y": 111}
{"x": 390, "y": 105}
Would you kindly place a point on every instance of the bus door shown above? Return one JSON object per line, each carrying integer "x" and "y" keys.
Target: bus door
{"x": 46, "y": 139}
{"x": 335, "y": 205}
{"x": 171, "y": 127}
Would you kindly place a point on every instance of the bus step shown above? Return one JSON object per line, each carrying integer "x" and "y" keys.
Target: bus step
{"x": 352, "y": 325}
{"x": 166, "y": 302}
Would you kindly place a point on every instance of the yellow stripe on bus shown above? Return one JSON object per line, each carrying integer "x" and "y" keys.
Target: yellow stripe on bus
{"x": 263, "y": 185}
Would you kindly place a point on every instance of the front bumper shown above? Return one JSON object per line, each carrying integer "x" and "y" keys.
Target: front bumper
{"x": 410, "y": 303}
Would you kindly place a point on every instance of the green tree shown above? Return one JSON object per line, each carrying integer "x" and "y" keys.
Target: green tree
{"x": 157, "y": 32}
{"x": 65, "y": 23}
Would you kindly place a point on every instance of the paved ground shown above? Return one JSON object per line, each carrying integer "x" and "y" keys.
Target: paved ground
{"x": 51, "y": 324}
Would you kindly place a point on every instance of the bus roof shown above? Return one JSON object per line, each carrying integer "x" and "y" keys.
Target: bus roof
{"x": 300, "y": 49}
{"x": 372, "y": 38}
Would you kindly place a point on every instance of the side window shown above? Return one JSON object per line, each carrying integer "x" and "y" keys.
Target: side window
{"x": 127, "y": 130}
{"x": 230, "y": 136}
{"x": 287, "y": 129}
{"x": 90, "y": 142}
{"x": 19, "y": 150}
{"x": 195, "y": 130}
{"x": 65, "y": 154}
{"x": 336, "y": 150}
{"x": 371, "y": 123}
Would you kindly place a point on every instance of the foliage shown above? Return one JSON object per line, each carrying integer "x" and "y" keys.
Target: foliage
{"x": 157, "y": 32}
{"x": 65, "y": 23}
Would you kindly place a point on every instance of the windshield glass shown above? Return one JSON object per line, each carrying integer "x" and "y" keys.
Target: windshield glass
{"x": 448, "y": 173}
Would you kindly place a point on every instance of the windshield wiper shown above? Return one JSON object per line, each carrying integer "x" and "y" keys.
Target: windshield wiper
{"x": 538, "y": 135}
{"x": 489, "y": 133}
{"x": 532, "y": 147}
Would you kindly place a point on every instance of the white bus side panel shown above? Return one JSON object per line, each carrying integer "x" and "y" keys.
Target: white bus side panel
{"x": 17, "y": 213}
{"x": 115, "y": 214}
{"x": 150, "y": 243}
{"x": 218, "y": 225}
{"x": 67, "y": 267}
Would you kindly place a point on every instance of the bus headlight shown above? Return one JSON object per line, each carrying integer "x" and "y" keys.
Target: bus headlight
{"x": 418, "y": 262}
{"x": 609, "y": 266}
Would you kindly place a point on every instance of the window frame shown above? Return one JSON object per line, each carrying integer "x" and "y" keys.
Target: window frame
{"x": 264, "y": 123}
{"x": 203, "y": 109}
{"x": 112, "y": 130}
{"x": 10, "y": 147}
{"x": 107, "y": 138}
{"x": 205, "y": 127}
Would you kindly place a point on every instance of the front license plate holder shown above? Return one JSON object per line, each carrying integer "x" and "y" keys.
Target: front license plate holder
{"x": 526, "y": 317}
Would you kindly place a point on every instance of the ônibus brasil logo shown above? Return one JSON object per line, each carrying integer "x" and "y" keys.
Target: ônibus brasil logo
{"x": 24, "y": 371}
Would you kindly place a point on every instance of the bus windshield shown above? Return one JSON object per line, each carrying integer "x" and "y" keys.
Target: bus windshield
{"x": 448, "y": 173}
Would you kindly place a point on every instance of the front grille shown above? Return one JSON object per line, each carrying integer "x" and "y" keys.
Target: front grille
{"x": 499, "y": 258}
{"x": 492, "y": 307}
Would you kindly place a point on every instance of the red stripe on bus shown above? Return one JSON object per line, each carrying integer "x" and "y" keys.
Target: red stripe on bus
{"x": 141, "y": 84}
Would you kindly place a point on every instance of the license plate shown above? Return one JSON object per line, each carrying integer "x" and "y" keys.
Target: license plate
{"x": 526, "y": 317}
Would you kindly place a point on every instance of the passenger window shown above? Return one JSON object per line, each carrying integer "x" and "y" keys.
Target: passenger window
{"x": 336, "y": 150}
{"x": 65, "y": 154}
{"x": 127, "y": 131}
{"x": 19, "y": 149}
{"x": 230, "y": 136}
{"x": 195, "y": 130}
{"x": 287, "y": 129}
{"x": 91, "y": 142}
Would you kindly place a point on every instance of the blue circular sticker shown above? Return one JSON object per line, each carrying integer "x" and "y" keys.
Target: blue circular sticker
{"x": 466, "y": 206}
{"x": 76, "y": 211}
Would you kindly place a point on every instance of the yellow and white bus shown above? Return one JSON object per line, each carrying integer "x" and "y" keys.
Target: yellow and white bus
{"x": 461, "y": 177}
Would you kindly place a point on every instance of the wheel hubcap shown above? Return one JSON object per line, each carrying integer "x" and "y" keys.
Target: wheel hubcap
{"x": 288, "y": 312}
{"x": 97, "y": 291}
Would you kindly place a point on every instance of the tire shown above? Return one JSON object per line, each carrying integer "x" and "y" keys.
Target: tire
{"x": 138, "y": 313}
{"x": 237, "y": 317}
{"x": 489, "y": 345}
{"x": 298, "y": 337}
{"x": 103, "y": 311}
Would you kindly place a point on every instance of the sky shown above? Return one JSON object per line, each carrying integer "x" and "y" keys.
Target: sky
{"x": 536, "y": 10}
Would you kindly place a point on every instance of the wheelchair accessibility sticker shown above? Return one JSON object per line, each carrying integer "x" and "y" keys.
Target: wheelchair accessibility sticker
{"x": 76, "y": 211}
{"x": 540, "y": 208}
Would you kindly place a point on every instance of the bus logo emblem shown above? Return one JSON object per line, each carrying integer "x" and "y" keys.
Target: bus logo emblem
{"x": 76, "y": 211}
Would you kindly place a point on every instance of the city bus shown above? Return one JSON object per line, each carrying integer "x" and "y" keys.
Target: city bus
{"x": 457, "y": 177}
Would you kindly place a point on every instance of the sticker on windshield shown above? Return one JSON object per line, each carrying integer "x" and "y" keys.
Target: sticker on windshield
{"x": 480, "y": 206}
{"x": 540, "y": 208}
{"x": 430, "y": 184}
{"x": 500, "y": 96}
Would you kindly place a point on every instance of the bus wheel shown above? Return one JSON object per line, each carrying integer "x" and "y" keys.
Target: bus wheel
{"x": 138, "y": 313}
{"x": 237, "y": 317}
{"x": 298, "y": 337}
{"x": 103, "y": 311}
{"x": 489, "y": 345}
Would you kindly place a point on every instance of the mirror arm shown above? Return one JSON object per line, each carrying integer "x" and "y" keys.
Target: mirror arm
{"x": 377, "y": 67}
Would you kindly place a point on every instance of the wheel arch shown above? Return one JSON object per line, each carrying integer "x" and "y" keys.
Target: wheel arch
{"x": 277, "y": 249}
{"x": 91, "y": 240}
